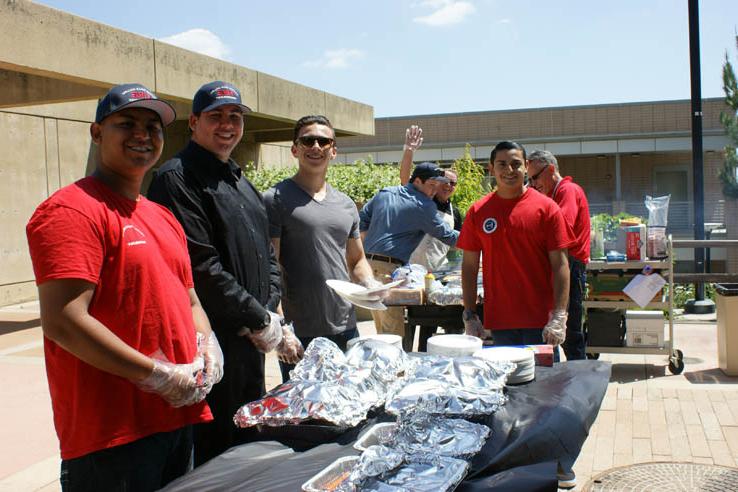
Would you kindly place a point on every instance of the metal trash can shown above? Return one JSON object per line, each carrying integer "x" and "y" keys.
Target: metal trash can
{"x": 727, "y": 327}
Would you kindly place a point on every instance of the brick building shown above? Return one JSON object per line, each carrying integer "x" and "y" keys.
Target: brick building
{"x": 617, "y": 152}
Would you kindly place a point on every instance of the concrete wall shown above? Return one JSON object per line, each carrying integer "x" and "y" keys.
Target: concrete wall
{"x": 40, "y": 155}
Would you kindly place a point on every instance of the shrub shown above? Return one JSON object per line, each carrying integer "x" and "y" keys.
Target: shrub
{"x": 360, "y": 181}
{"x": 471, "y": 185}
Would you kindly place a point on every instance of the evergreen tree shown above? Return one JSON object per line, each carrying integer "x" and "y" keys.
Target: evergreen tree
{"x": 728, "y": 174}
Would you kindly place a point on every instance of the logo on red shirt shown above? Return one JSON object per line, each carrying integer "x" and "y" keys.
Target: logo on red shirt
{"x": 133, "y": 236}
{"x": 489, "y": 225}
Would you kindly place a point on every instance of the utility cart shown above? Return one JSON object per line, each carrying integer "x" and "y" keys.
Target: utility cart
{"x": 613, "y": 303}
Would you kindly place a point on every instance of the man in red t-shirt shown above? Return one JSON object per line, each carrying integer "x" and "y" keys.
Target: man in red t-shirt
{"x": 129, "y": 352}
{"x": 523, "y": 238}
{"x": 543, "y": 174}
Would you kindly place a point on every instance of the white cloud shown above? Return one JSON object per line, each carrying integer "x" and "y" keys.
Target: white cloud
{"x": 504, "y": 21}
{"x": 446, "y": 12}
{"x": 201, "y": 41}
{"x": 340, "y": 58}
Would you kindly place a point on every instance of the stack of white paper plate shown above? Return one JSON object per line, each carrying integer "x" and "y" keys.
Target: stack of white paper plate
{"x": 453, "y": 345}
{"x": 361, "y": 296}
{"x": 395, "y": 340}
{"x": 524, "y": 358}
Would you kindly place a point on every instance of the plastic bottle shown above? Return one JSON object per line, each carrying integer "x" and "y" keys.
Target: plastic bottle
{"x": 428, "y": 281}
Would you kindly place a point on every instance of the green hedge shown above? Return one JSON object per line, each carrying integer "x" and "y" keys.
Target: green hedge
{"x": 363, "y": 179}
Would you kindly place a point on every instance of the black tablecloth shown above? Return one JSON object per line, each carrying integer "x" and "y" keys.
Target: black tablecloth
{"x": 544, "y": 421}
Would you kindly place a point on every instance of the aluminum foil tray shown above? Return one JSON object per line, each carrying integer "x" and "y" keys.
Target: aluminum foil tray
{"x": 442, "y": 475}
{"x": 333, "y": 477}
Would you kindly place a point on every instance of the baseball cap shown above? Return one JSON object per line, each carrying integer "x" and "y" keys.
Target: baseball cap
{"x": 133, "y": 96}
{"x": 214, "y": 94}
{"x": 428, "y": 170}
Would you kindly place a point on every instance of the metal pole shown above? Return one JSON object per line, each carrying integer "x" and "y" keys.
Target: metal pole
{"x": 697, "y": 163}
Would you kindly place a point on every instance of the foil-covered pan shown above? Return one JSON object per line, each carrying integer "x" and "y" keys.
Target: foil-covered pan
{"x": 329, "y": 386}
{"x": 440, "y": 474}
{"x": 431, "y": 435}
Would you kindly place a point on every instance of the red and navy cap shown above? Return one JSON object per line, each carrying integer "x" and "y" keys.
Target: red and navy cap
{"x": 214, "y": 94}
{"x": 133, "y": 96}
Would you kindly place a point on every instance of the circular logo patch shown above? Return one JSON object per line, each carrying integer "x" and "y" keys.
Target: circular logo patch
{"x": 489, "y": 225}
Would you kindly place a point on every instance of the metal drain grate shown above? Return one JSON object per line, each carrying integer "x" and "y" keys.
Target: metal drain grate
{"x": 667, "y": 477}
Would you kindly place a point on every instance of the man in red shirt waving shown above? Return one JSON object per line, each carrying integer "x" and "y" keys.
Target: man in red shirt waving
{"x": 523, "y": 239}
{"x": 543, "y": 174}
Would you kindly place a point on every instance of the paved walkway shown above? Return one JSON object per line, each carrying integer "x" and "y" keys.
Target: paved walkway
{"x": 647, "y": 415}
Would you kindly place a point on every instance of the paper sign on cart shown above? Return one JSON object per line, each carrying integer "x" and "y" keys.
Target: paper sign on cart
{"x": 643, "y": 288}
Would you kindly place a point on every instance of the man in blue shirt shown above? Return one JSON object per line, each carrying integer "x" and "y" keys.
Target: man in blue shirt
{"x": 392, "y": 225}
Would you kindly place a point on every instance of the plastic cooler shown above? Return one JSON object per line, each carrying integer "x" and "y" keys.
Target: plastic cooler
{"x": 727, "y": 327}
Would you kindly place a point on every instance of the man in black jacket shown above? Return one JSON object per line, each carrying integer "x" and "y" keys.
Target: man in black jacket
{"x": 235, "y": 272}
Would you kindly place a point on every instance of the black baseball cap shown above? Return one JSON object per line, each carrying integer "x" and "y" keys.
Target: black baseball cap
{"x": 133, "y": 96}
{"x": 428, "y": 170}
{"x": 214, "y": 94}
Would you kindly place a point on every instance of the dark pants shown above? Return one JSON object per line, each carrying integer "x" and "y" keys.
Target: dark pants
{"x": 143, "y": 465}
{"x": 523, "y": 336}
{"x": 574, "y": 344}
{"x": 340, "y": 339}
{"x": 243, "y": 381}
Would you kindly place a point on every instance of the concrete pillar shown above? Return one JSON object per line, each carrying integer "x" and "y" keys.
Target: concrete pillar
{"x": 618, "y": 182}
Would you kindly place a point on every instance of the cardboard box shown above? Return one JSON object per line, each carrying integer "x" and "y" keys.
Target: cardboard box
{"x": 644, "y": 328}
{"x": 544, "y": 355}
{"x": 404, "y": 297}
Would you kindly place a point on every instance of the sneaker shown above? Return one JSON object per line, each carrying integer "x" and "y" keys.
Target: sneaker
{"x": 567, "y": 480}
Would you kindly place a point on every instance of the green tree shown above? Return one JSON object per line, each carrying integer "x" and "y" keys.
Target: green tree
{"x": 727, "y": 175}
{"x": 471, "y": 184}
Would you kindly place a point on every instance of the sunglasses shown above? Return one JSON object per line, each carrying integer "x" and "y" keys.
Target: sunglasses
{"x": 309, "y": 141}
{"x": 537, "y": 175}
{"x": 452, "y": 183}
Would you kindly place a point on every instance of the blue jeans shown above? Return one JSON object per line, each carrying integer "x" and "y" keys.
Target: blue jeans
{"x": 574, "y": 344}
{"x": 340, "y": 339}
{"x": 522, "y": 336}
{"x": 144, "y": 465}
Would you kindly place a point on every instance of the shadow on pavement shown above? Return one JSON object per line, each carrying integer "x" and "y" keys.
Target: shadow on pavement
{"x": 13, "y": 326}
{"x": 710, "y": 376}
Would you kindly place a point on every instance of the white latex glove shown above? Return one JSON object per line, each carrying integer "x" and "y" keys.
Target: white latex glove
{"x": 290, "y": 349}
{"x": 179, "y": 384}
{"x": 554, "y": 333}
{"x": 413, "y": 138}
{"x": 473, "y": 326}
{"x": 267, "y": 339}
{"x": 212, "y": 355}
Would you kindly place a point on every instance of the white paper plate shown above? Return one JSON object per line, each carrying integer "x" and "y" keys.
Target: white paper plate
{"x": 366, "y": 304}
{"x": 523, "y": 358}
{"x": 383, "y": 287}
{"x": 453, "y": 345}
{"x": 343, "y": 288}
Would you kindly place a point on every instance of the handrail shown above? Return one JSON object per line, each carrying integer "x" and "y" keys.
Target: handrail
{"x": 705, "y": 243}
{"x": 691, "y": 278}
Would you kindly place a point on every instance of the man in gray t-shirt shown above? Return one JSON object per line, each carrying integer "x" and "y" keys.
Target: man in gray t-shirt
{"x": 315, "y": 232}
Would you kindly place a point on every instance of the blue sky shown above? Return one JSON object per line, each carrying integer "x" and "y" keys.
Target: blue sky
{"x": 407, "y": 57}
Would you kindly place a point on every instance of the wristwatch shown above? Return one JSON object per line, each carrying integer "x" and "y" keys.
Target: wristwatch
{"x": 468, "y": 314}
